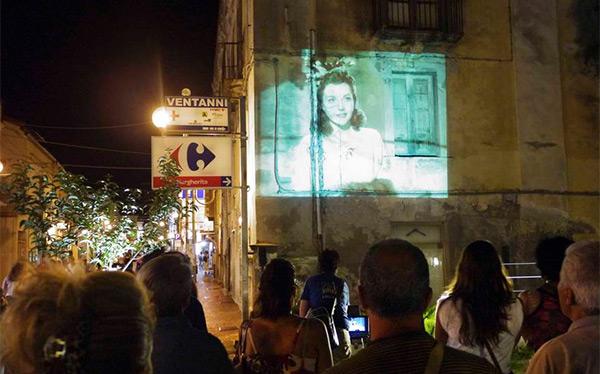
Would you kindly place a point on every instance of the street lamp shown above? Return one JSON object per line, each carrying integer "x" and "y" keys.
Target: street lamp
{"x": 160, "y": 117}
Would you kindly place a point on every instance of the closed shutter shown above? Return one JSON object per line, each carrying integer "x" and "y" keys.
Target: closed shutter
{"x": 416, "y": 130}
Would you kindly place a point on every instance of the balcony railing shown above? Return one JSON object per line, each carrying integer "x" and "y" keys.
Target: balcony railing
{"x": 233, "y": 60}
{"x": 428, "y": 20}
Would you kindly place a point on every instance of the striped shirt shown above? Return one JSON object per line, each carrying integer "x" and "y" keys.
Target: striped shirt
{"x": 409, "y": 353}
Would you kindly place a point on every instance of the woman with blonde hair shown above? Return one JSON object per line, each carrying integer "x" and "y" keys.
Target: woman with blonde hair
{"x": 480, "y": 315}
{"x": 60, "y": 322}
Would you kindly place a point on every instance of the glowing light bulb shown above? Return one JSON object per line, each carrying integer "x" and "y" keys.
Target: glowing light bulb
{"x": 160, "y": 117}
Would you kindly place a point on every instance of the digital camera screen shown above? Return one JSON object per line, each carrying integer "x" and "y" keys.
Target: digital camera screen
{"x": 367, "y": 123}
{"x": 359, "y": 327}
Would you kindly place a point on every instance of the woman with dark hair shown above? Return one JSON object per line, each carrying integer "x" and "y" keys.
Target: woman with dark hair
{"x": 543, "y": 318}
{"x": 274, "y": 340}
{"x": 347, "y": 153}
{"x": 480, "y": 315}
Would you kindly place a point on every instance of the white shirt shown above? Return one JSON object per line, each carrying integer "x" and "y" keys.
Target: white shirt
{"x": 448, "y": 313}
{"x": 349, "y": 156}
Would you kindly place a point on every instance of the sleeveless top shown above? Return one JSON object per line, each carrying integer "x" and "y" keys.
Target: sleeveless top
{"x": 450, "y": 318}
{"x": 546, "y": 322}
{"x": 291, "y": 363}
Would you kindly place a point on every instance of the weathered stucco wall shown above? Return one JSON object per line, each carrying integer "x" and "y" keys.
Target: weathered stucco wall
{"x": 522, "y": 132}
{"x": 580, "y": 120}
{"x": 18, "y": 146}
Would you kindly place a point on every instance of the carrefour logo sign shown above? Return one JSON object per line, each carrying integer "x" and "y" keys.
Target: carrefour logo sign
{"x": 204, "y": 161}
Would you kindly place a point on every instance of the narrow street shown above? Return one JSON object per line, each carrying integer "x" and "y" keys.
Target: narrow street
{"x": 223, "y": 316}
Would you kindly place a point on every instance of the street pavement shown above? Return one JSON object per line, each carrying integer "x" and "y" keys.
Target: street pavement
{"x": 223, "y": 316}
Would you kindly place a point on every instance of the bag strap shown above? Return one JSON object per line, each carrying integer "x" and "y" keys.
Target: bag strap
{"x": 493, "y": 356}
{"x": 298, "y": 333}
{"x": 434, "y": 364}
{"x": 243, "y": 338}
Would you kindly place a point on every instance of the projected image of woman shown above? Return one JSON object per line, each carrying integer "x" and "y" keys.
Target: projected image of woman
{"x": 350, "y": 154}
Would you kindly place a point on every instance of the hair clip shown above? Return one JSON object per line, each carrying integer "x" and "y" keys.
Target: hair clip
{"x": 54, "y": 348}
{"x": 322, "y": 68}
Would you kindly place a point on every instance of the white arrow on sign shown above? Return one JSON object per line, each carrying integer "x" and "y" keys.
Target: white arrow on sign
{"x": 227, "y": 181}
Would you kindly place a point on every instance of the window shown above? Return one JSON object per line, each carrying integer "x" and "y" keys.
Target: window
{"x": 416, "y": 125}
{"x": 430, "y": 20}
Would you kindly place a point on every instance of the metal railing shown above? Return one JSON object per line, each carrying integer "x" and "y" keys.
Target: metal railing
{"x": 420, "y": 19}
{"x": 524, "y": 275}
{"x": 233, "y": 60}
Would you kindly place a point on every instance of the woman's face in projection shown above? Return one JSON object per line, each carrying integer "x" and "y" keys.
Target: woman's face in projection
{"x": 338, "y": 103}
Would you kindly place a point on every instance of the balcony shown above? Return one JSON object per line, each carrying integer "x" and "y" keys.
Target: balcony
{"x": 419, "y": 20}
{"x": 233, "y": 60}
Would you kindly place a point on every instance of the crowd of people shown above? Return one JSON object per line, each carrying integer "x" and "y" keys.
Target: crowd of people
{"x": 61, "y": 320}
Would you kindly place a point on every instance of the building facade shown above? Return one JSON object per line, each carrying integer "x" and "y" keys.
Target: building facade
{"x": 18, "y": 145}
{"x": 474, "y": 119}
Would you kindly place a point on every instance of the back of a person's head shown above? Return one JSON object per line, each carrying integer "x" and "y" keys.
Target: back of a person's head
{"x": 276, "y": 290}
{"x": 16, "y": 270}
{"x": 481, "y": 285}
{"x": 580, "y": 272}
{"x": 549, "y": 255}
{"x": 60, "y": 322}
{"x": 169, "y": 280}
{"x": 148, "y": 257}
{"x": 394, "y": 278}
{"x": 479, "y": 266}
{"x": 328, "y": 261}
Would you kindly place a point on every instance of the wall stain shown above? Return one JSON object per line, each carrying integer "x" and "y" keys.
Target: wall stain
{"x": 538, "y": 145}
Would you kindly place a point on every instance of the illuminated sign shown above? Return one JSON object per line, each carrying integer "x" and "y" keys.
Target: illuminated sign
{"x": 370, "y": 123}
{"x": 197, "y": 113}
{"x": 204, "y": 161}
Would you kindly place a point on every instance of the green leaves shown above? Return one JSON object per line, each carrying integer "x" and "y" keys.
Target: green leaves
{"x": 64, "y": 213}
{"x": 163, "y": 203}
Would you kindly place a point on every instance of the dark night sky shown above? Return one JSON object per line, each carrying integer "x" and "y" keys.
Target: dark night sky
{"x": 100, "y": 63}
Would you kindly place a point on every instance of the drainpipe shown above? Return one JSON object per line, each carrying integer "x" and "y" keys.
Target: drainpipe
{"x": 316, "y": 166}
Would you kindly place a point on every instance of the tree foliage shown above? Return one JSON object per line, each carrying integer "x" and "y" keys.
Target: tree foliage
{"x": 64, "y": 214}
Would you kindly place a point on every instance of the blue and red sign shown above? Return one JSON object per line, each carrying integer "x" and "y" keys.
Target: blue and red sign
{"x": 204, "y": 161}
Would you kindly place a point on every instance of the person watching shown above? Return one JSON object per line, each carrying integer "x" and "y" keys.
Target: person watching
{"x": 328, "y": 291}
{"x": 480, "y": 315}
{"x": 394, "y": 290}
{"x": 577, "y": 350}
{"x": 61, "y": 322}
{"x": 543, "y": 318}
{"x": 179, "y": 347}
{"x": 274, "y": 340}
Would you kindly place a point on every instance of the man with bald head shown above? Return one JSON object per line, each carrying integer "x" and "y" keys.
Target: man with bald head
{"x": 394, "y": 290}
